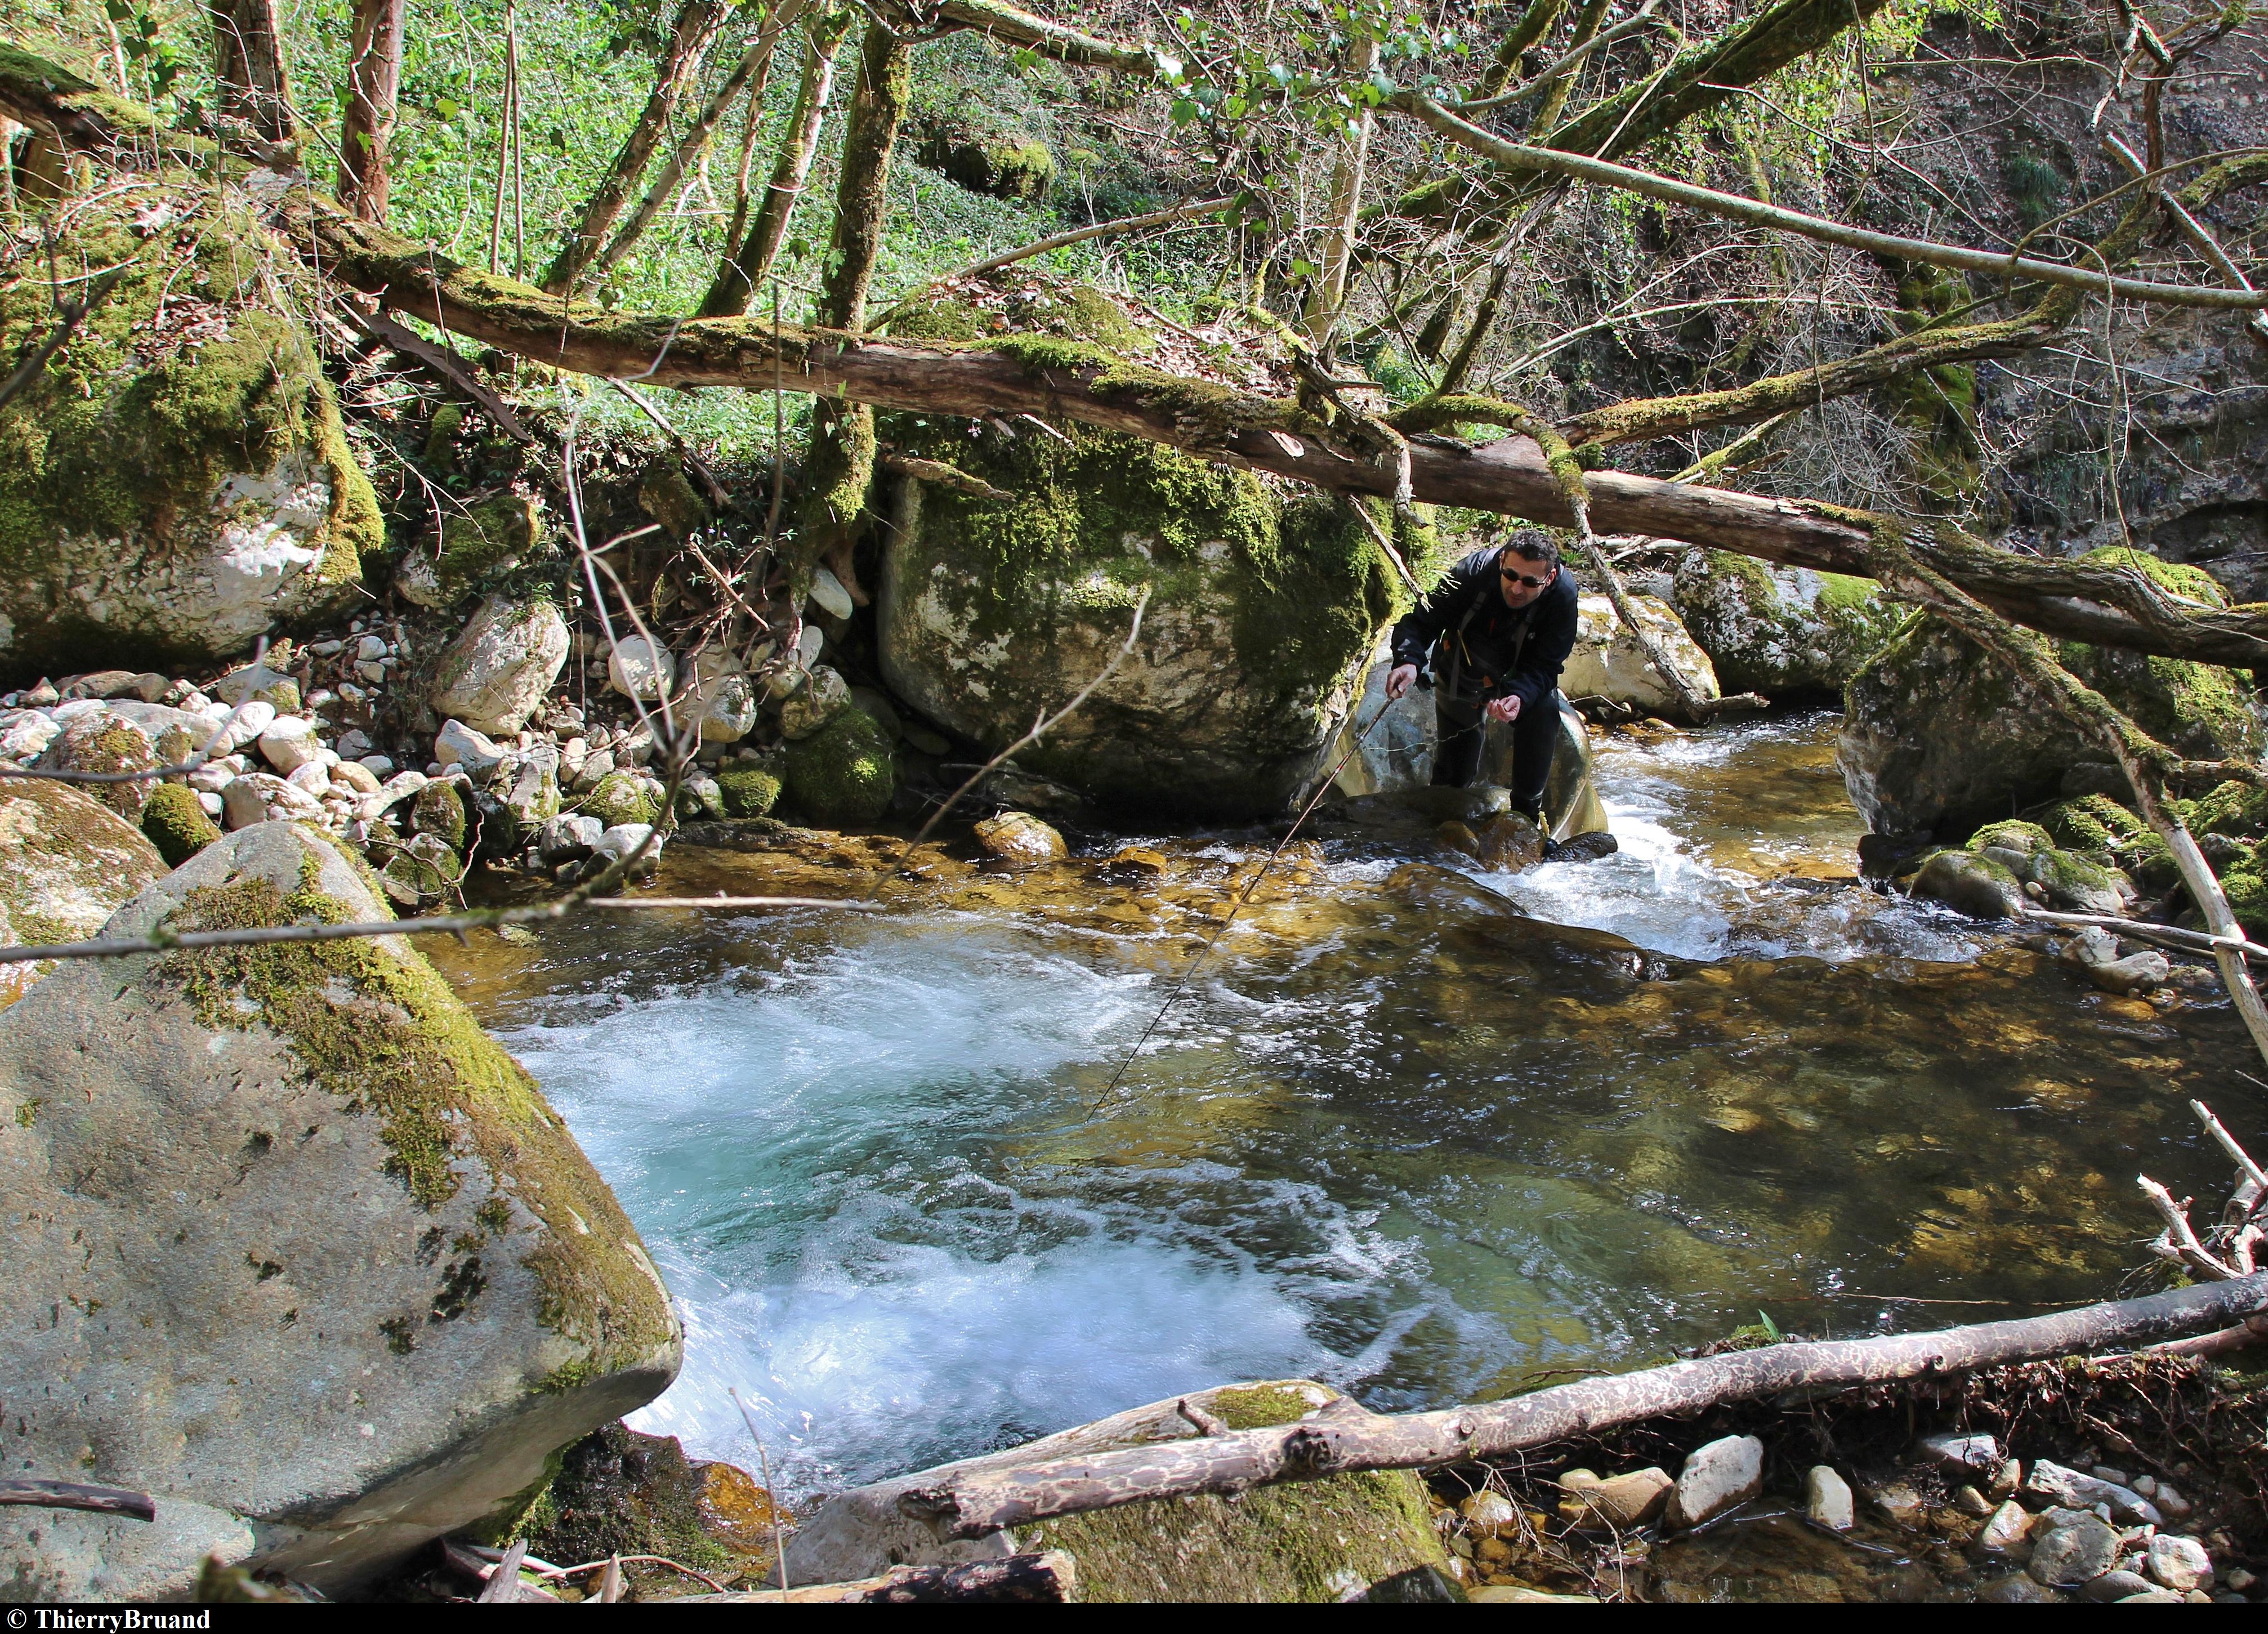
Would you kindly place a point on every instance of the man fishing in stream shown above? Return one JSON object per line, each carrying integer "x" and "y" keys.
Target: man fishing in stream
{"x": 1497, "y": 630}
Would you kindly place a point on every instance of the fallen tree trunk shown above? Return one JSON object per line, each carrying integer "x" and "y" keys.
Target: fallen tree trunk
{"x": 1049, "y": 1579}
{"x": 989, "y": 1499}
{"x": 1055, "y": 381}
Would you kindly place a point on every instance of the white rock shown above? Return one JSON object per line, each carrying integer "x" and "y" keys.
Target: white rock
{"x": 28, "y": 735}
{"x": 634, "y": 748}
{"x": 64, "y": 714}
{"x": 355, "y": 775}
{"x": 1716, "y": 1477}
{"x": 639, "y": 668}
{"x": 289, "y": 742}
{"x": 827, "y": 593}
{"x": 327, "y": 649}
{"x": 239, "y": 684}
{"x": 572, "y": 754}
{"x": 372, "y": 674}
{"x": 624, "y": 838}
{"x": 460, "y": 744}
{"x": 354, "y": 743}
{"x": 807, "y": 646}
{"x": 370, "y": 647}
{"x": 2008, "y": 1532}
{"x": 1608, "y": 661}
{"x": 1827, "y": 1499}
{"x": 2179, "y": 1562}
{"x": 259, "y": 796}
{"x": 728, "y": 710}
{"x": 496, "y": 671}
{"x": 379, "y": 765}
{"x": 595, "y": 768}
{"x": 314, "y": 777}
{"x": 212, "y": 804}
{"x": 252, "y": 719}
{"x": 213, "y": 776}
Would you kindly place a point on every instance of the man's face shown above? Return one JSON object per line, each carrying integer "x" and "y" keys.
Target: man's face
{"x": 1522, "y": 579}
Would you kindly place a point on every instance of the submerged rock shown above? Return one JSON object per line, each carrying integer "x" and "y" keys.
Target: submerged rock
{"x": 1304, "y": 1541}
{"x": 1969, "y": 883}
{"x": 160, "y": 500}
{"x": 391, "y": 1287}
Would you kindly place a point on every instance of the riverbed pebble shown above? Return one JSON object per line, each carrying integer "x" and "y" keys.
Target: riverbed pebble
{"x": 2066, "y": 1557}
{"x": 1827, "y": 1499}
{"x": 2179, "y": 1562}
{"x": 1623, "y": 1501}
{"x": 1959, "y": 1454}
{"x": 2116, "y": 1585}
{"x": 1716, "y": 1477}
{"x": 2008, "y": 1532}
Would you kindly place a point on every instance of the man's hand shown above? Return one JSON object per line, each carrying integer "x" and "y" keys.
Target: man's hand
{"x": 1505, "y": 709}
{"x": 1400, "y": 679}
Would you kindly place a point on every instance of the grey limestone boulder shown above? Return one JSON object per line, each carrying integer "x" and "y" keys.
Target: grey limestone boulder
{"x": 66, "y": 863}
{"x": 1783, "y": 631}
{"x": 296, "y": 1248}
{"x": 496, "y": 671}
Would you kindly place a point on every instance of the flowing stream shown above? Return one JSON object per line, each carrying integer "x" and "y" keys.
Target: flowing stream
{"x": 1398, "y": 1135}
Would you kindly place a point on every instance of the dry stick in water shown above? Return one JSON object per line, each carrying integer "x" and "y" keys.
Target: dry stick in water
{"x": 771, "y": 1500}
{"x": 981, "y": 1503}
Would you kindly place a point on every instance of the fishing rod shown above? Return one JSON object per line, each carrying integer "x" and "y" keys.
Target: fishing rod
{"x": 1322, "y": 787}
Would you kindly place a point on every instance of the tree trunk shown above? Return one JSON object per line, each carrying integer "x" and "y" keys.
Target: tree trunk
{"x": 1346, "y": 204}
{"x": 696, "y": 29}
{"x": 248, "y": 63}
{"x": 1331, "y": 1444}
{"x": 373, "y": 83}
{"x": 839, "y": 463}
{"x": 749, "y": 74}
{"x": 742, "y": 271}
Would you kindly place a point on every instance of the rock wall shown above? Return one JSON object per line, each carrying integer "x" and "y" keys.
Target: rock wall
{"x": 177, "y": 482}
{"x": 323, "y": 1272}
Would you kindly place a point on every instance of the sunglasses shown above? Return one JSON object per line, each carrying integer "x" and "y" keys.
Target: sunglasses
{"x": 1511, "y": 578}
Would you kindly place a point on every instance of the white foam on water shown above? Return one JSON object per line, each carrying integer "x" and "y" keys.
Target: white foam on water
{"x": 823, "y": 1159}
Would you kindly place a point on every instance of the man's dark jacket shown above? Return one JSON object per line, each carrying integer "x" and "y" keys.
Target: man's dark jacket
{"x": 1491, "y": 651}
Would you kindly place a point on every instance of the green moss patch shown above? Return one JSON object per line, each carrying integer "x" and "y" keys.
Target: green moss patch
{"x": 842, "y": 773}
{"x": 620, "y": 797}
{"x": 749, "y": 791}
{"x": 176, "y": 824}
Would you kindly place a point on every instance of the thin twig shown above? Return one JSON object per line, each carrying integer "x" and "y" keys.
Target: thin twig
{"x": 771, "y": 1501}
{"x": 2237, "y": 1155}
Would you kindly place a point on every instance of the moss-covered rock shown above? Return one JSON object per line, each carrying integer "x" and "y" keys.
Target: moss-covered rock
{"x": 842, "y": 775}
{"x": 619, "y": 1493}
{"x": 2094, "y": 822}
{"x": 2233, "y": 808}
{"x": 102, "y": 744}
{"x": 619, "y": 798}
{"x": 177, "y": 480}
{"x": 665, "y": 494}
{"x": 437, "y": 809}
{"x": 1937, "y": 736}
{"x": 367, "y": 1210}
{"x": 1262, "y": 607}
{"x": 749, "y": 791}
{"x": 1304, "y": 1541}
{"x": 1003, "y": 165}
{"x": 1788, "y": 633}
{"x": 67, "y": 863}
{"x": 476, "y": 547}
{"x": 2247, "y": 890}
{"x": 176, "y": 824}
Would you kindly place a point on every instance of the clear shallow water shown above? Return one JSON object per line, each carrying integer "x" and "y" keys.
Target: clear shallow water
{"x": 1397, "y": 1136}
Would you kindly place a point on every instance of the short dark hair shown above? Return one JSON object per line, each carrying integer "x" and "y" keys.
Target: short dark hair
{"x": 1534, "y": 544}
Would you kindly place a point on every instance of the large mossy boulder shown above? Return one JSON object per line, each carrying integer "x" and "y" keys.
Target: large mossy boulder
{"x": 176, "y": 481}
{"x": 842, "y": 775}
{"x": 1786, "y": 632}
{"x": 1003, "y": 164}
{"x": 1939, "y": 736}
{"x": 296, "y": 1248}
{"x": 67, "y": 862}
{"x": 1303, "y": 1541}
{"x": 1263, "y": 602}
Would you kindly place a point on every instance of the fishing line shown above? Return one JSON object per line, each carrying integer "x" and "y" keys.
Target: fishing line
{"x": 1322, "y": 787}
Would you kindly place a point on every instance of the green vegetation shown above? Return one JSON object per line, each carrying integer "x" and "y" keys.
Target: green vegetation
{"x": 176, "y": 824}
{"x": 842, "y": 774}
{"x": 749, "y": 790}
